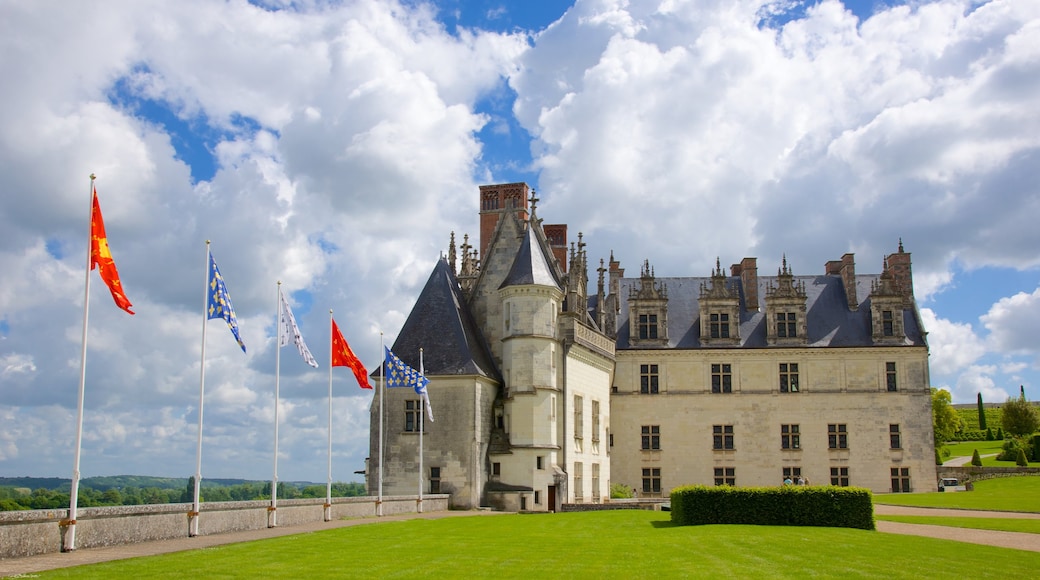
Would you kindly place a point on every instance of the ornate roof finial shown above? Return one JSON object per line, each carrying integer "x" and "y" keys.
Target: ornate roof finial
{"x": 785, "y": 263}
{"x": 900, "y": 244}
{"x": 534, "y": 202}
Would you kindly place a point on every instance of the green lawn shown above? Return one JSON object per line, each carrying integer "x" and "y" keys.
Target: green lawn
{"x": 965, "y": 448}
{"x": 608, "y": 544}
{"x": 1028, "y": 526}
{"x": 1021, "y": 494}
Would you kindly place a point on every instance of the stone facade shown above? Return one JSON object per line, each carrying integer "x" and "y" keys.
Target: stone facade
{"x": 544, "y": 395}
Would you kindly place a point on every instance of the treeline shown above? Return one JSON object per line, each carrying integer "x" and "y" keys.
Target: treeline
{"x": 14, "y": 497}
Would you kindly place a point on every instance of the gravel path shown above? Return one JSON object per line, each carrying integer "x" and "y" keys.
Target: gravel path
{"x": 1016, "y": 540}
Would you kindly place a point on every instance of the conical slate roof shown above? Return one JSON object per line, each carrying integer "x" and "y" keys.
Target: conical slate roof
{"x": 440, "y": 323}
{"x": 531, "y": 265}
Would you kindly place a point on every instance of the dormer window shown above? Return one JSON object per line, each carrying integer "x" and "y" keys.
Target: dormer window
{"x": 647, "y": 326}
{"x": 786, "y": 325}
{"x": 648, "y": 311}
{"x": 719, "y": 325}
{"x": 720, "y": 311}
{"x": 887, "y": 328}
{"x": 785, "y": 309}
{"x": 886, "y": 310}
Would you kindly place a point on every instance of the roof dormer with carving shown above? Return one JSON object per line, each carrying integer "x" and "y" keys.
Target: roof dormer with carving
{"x": 886, "y": 309}
{"x": 719, "y": 311}
{"x": 786, "y": 322}
{"x": 648, "y": 308}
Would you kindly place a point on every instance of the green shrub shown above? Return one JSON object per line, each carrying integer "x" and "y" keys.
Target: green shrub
{"x": 1020, "y": 459}
{"x": 620, "y": 491}
{"x": 1000, "y": 433}
{"x": 827, "y": 506}
{"x": 1036, "y": 448}
{"x": 989, "y": 434}
{"x": 938, "y": 457}
{"x": 970, "y": 435}
{"x": 976, "y": 459}
{"x": 1010, "y": 449}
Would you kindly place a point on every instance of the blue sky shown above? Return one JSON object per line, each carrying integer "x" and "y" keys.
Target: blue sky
{"x": 334, "y": 146}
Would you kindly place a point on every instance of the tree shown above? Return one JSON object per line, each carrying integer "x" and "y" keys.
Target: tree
{"x": 1020, "y": 458}
{"x": 976, "y": 459}
{"x": 982, "y": 414}
{"x": 945, "y": 421}
{"x": 1019, "y": 417}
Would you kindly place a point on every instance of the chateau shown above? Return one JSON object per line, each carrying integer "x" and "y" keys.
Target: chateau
{"x": 546, "y": 394}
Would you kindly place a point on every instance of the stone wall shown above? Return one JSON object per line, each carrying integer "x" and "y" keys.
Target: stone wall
{"x": 31, "y": 532}
{"x": 972, "y": 473}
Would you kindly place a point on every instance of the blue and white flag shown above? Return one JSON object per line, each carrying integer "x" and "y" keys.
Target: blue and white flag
{"x": 219, "y": 303}
{"x": 399, "y": 374}
{"x": 289, "y": 329}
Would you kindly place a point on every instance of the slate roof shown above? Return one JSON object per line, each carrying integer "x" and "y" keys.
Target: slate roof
{"x": 830, "y": 323}
{"x": 531, "y": 264}
{"x": 441, "y": 324}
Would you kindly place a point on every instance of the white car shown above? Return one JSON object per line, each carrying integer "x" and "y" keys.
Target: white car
{"x": 950, "y": 484}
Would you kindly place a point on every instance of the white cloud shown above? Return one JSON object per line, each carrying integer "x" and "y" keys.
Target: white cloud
{"x": 1012, "y": 323}
{"x": 345, "y": 143}
{"x": 953, "y": 346}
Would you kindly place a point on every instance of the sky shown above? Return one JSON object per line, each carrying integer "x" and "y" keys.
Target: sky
{"x": 334, "y": 147}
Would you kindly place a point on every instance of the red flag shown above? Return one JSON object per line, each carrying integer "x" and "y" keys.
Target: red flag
{"x": 101, "y": 257}
{"x": 342, "y": 356}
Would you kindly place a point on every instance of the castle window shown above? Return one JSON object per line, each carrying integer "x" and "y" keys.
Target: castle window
{"x": 837, "y": 436}
{"x": 887, "y": 328}
{"x": 652, "y": 480}
{"x": 794, "y": 475}
{"x": 651, "y": 437}
{"x": 719, "y": 325}
{"x": 721, "y": 378}
{"x": 413, "y": 416}
{"x": 786, "y": 325}
{"x": 890, "y": 376}
{"x": 496, "y": 469}
{"x": 789, "y": 437}
{"x": 539, "y": 462}
{"x": 648, "y": 379}
{"x": 840, "y": 476}
{"x": 435, "y": 480}
{"x": 788, "y": 377}
{"x": 537, "y": 498}
{"x": 506, "y": 308}
{"x": 900, "y": 479}
{"x": 595, "y": 422}
{"x": 595, "y": 483}
{"x": 894, "y": 439}
{"x": 722, "y": 437}
{"x": 579, "y": 423}
{"x": 647, "y": 326}
{"x": 579, "y": 492}
{"x": 726, "y": 476}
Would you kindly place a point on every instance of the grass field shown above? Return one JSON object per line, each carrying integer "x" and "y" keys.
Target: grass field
{"x": 965, "y": 449}
{"x": 610, "y": 544}
{"x": 1016, "y": 494}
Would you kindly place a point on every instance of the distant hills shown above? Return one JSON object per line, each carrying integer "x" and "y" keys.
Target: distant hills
{"x": 126, "y": 481}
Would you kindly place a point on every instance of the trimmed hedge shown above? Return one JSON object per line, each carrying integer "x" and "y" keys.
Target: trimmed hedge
{"x": 826, "y": 506}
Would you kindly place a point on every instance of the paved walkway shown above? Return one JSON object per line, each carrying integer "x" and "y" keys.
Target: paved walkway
{"x": 28, "y": 565}
{"x": 962, "y": 461}
{"x": 1016, "y": 540}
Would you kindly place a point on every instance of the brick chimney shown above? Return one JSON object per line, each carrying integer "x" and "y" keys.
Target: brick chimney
{"x": 495, "y": 200}
{"x": 846, "y": 268}
{"x": 747, "y": 269}
{"x": 899, "y": 267}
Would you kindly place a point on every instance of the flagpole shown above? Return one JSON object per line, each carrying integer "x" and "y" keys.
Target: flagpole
{"x": 272, "y": 512}
{"x": 328, "y": 483}
{"x": 193, "y": 515}
{"x": 382, "y": 387}
{"x": 422, "y": 372}
{"x": 70, "y": 522}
